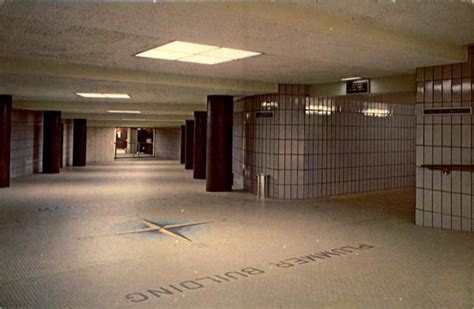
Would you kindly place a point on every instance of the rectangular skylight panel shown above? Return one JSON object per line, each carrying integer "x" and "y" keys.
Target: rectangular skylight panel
{"x": 157, "y": 53}
{"x": 230, "y": 53}
{"x": 196, "y": 53}
{"x": 186, "y": 47}
{"x": 204, "y": 59}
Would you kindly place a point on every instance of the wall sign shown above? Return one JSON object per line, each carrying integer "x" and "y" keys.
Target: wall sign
{"x": 447, "y": 111}
{"x": 264, "y": 114}
{"x": 357, "y": 86}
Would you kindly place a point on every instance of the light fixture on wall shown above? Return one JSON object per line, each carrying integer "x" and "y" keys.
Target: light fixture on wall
{"x": 196, "y": 53}
{"x": 376, "y": 112}
{"x": 322, "y": 110}
{"x": 270, "y": 105}
{"x": 379, "y": 110}
{"x": 103, "y": 95}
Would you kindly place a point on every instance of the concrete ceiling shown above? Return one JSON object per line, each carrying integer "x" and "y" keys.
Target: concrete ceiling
{"x": 49, "y": 51}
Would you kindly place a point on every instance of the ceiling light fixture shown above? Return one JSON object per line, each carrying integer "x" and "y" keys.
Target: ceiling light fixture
{"x": 123, "y": 112}
{"x": 104, "y": 95}
{"x": 204, "y": 59}
{"x": 196, "y": 53}
{"x": 350, "y": 78}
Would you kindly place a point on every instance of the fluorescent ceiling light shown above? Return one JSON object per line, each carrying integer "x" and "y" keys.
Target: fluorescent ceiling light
{"x": 123, "y": 112}
{"x": 104, "y": 95}
{"x": 90, "y": 95}
{"x": 350, "y": 78}
{"x": 196, "y": 53}
{"x": 116, "y": 96}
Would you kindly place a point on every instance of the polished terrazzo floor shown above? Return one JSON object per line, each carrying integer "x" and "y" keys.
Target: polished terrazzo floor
{"x": 113, "y": 235}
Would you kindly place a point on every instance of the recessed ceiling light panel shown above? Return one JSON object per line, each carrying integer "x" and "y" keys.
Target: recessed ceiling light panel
{"x": 161, "y": 54}
{"x": 104, "y": 95}
{"x": 230, "y": 53}
{"x": 196, "y": 53}
{"x": 90, "y": 95}
{"x": 123, "y": 112}
{"x": 186, "y": 47}
{"x": 204, "y": 59}
{"x": 350, "y": 78}
{"x": 117, "y": 96}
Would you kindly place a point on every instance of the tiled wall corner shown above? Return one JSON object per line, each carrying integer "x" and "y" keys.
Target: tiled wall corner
{"x": 315, "y": 146}
{"x": 445, "y": 200}
{"x": 360, "y": 143}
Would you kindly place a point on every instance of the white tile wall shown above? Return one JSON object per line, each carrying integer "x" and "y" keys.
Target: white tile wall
{"x": 456, "y": 132}
{"x": 314, "y": 147}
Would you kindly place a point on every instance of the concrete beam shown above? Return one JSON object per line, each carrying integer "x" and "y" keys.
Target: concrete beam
{"x": 102, "y": 107}
{"x": 133, "y": 124}
{"x": 130, "y": 117}
{"x": 213, "y": 85}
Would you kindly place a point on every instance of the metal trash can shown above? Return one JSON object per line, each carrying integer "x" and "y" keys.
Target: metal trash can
{"x": 262, "y": 186}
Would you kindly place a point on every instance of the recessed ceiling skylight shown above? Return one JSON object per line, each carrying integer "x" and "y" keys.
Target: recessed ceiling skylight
{"x": 186, "y": 47}
{"x": 104, "y": 95}
{"x": 230, "y": 53}
{"x": 123, "y": 112}
{"x": 196, "y": 53}
{"x": 204, "y": 59}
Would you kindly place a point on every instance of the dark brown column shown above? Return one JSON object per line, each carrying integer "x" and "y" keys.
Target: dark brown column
{"x": 79, "y": 145}
{"x": 51, "y": 142}
{"x": 61, "y": 153}
{"x": 188, "y": 164}
{"x": 219, "y": 143}
{"x": 200, "y": 136}
{"x": 182, "y": 150}
{"x": 5, "y": 139}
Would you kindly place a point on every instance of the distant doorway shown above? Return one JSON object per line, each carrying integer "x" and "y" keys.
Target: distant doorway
{"x": 134, "y": 143}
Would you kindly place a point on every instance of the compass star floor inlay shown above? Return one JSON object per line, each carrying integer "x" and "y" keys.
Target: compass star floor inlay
{"x": 169, "y": 229}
